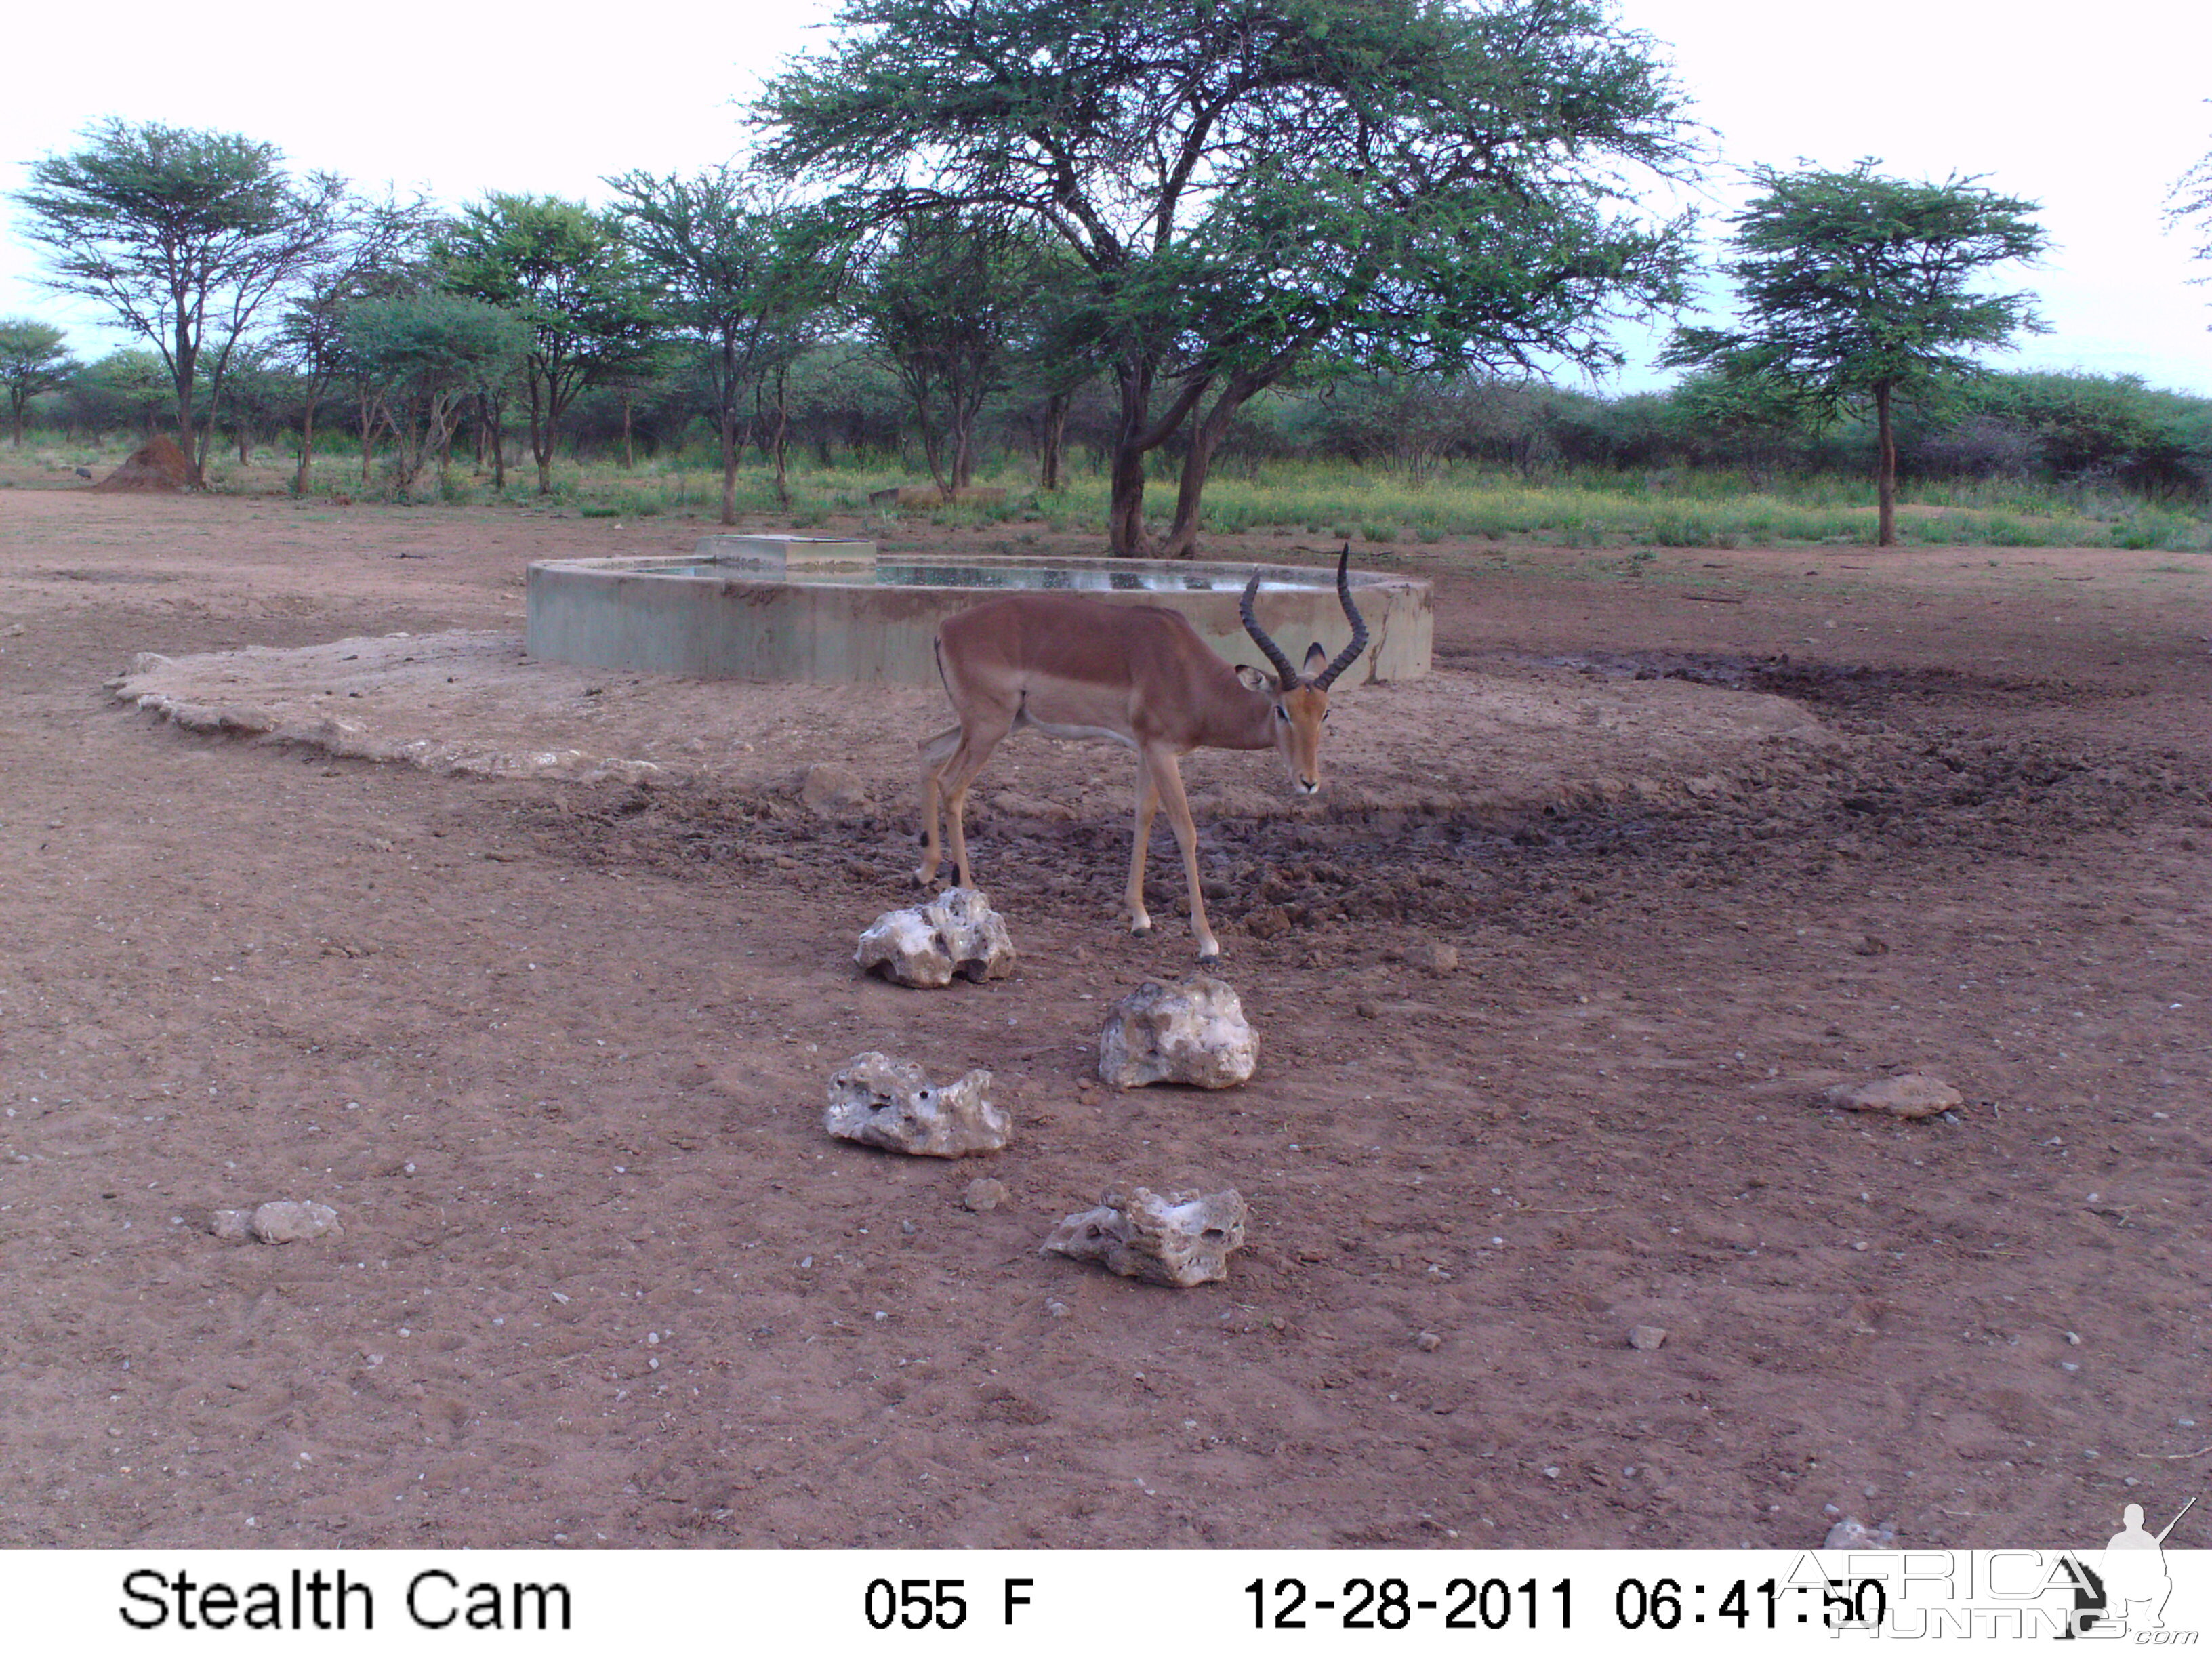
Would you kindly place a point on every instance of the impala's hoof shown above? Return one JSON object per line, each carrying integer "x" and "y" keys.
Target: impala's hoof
{"x": 1209, "y": 958}
{"x": 1141, "y": 925}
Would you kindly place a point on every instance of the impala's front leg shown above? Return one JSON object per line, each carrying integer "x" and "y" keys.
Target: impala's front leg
{"x": 1169, "y": 785}
{"x": 1148, "y": 801}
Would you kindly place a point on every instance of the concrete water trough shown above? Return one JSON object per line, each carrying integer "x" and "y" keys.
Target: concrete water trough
{"x": 796, "y": 608}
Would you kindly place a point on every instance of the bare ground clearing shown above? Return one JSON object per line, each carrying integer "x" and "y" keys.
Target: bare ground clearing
{"x": 553, "y": 1041}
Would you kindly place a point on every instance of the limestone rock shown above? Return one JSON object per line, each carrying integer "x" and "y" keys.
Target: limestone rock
{"x": 1433, "y": 957}
{"x": 956, "y": 933}
{"x": 984, "y": 1194}
{"x": 1195, "y": 1033}
{"x": 832, "y": 791}
{"x": 1909, "y": 1095}
{"x": 1852, "y": 1534}
{"x": 234, "y": 1225}
{"x": 1182, "y": 1239}
{"x": 1646, "y": 1338}
{"x": 881, "y": 1102}
{"x": 288, "y": 1221}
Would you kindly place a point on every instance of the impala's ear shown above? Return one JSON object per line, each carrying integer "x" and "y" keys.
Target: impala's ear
{"x": 1316, "y": 659}
{"x": 1252, "y": 678}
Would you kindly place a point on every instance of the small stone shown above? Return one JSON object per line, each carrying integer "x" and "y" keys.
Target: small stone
{"x": 235, "y": 1225}
{"x": 956, "y": 933}
{"x": 881, "y": 1102}
{"x": 1647, "y": 1338}
{"x": 1195, "y": 1033}
{"x": 985, "y": 1194}
{"x": 832, "y": 791}
{"x": 1911, "y": 1094}
{"x": 1055, "y": 1309}
{"x": 1431, "y": 957}
{"x": 1271, "y": 921}
{"x": 1366, "y": 1008}
{"x": 1428, "y": 1342}
{"x": 288, "y": 1221}
{"x": 1852, "y": 1534}
{"x": 1015, "y": 804}
{"x": 1872, "y": 945}
{"x": 1184, "y": 1239}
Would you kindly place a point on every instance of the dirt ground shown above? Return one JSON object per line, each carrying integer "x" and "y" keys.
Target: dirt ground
{"x": 548, "y": 1013}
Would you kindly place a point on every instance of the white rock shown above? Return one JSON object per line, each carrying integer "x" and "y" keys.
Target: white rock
{"x": 1184, "y": 1239}
{"x": 1852, "y": 1534}
{"x": 1195, "y": 1033}
{"x": 984, "y": 1194}
{"x": 1908, "y": 1095}
{"x": 231, "y": 1224}
{"x": 287, "y": 1221}
{"x": 956, "y": 933}
{"x": 881, "y": 1102}
{"x": 1646, "y": 1338}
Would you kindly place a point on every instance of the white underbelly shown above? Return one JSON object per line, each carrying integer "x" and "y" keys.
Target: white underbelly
{"x": 1076, "y": 734}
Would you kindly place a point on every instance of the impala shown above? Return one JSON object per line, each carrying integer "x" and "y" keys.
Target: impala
{"x": 1136, "y": 674}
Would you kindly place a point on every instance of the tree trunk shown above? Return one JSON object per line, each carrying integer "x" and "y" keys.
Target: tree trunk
{"x": 306, "y": 448}
{"x": 729, "y": 464}
{"x": 368, "y": 437}
{"x": 629, "y": 453}
{"x": 1055, "y": 440}
{"x": 185, "y": 368}
{"x": 1886, "y": 473}
{"x": 541, "y": 440}
{"x": 1205, "y": 437}
{"x": 1124, "y": 509}
{"x": 782, "y": 429}
{"x": 244, "y": 439}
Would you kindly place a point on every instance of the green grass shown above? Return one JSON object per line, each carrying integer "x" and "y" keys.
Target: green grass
{"x": 1671, "y": 508}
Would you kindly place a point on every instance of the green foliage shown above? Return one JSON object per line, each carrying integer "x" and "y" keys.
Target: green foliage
{"x": 745, "y": 276}
{"x": 32, "y": 361}
{"x": 1250, "y": 185}
{"x": 943, "y": 303}
{"x": 565, "y": 271}
{"x": 122, "y": 389}
{"x": 183, "y": 234}
{"x": 420, "y": 357}
{"x": 1851, "y": 282}
{"x": 1857, "y": 290}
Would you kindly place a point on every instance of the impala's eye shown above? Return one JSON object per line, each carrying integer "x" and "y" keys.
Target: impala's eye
{"x": 1282, "y": 714}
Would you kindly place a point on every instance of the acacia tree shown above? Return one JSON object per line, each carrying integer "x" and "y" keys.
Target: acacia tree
{"x": 379, "y": 253}
{"x": 943, "y": 304}
{"x": 422, "y": 359}
{"x": 2191, "y": 198}
{"x": 185, "y": 235}
{"x": 33, "y": 360}
{"x": 564, "y": 270}
{"x": 744, "y": 274}
{"x": 1254, "y": 184}
{"x": 1856, "y": 292}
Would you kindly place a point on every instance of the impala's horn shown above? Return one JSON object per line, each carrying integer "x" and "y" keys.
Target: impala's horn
{"x": 1285, "y": 675}
{"x": 1350, "y": 654}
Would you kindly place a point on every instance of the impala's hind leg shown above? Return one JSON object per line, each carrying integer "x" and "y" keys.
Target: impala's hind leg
{"x": 934, "y": 751}
{"x": 977, "y": 740}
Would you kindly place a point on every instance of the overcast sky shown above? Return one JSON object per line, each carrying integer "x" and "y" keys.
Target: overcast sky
{"x": 2093, "y": 111}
